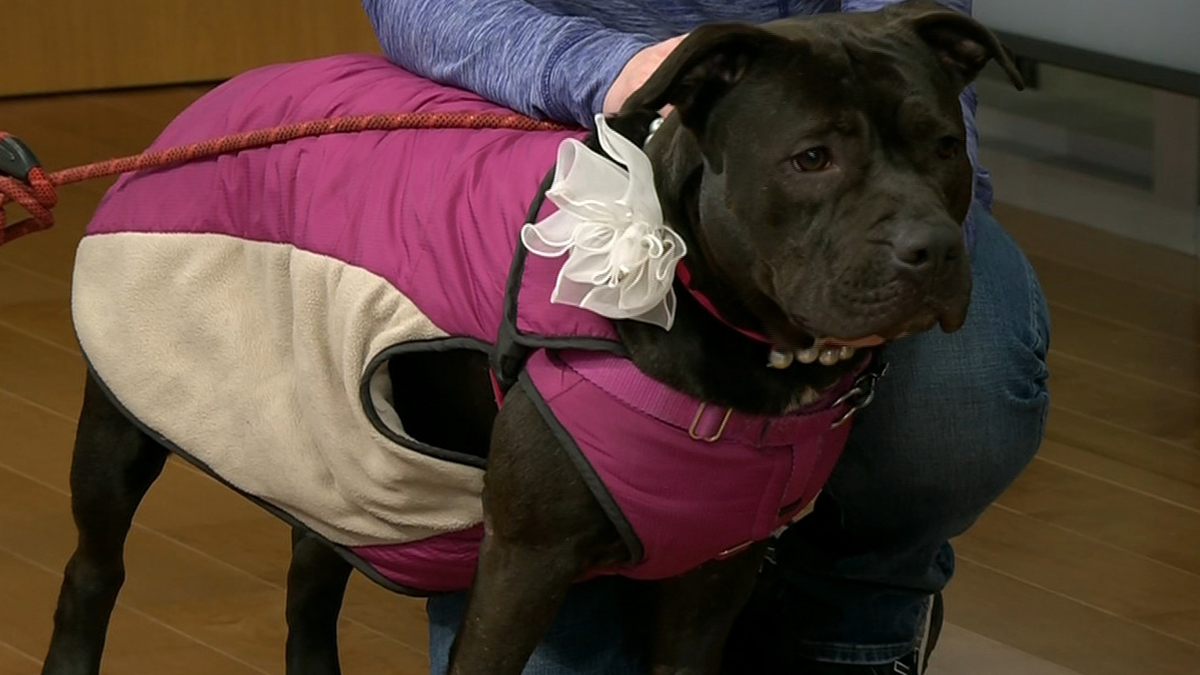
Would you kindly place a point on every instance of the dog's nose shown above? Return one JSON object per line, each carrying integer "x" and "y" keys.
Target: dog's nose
{"x": 924, "y": 249}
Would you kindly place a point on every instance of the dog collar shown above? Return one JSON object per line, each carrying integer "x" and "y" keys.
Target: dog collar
{"x": 820, "y": 351}
{"x": 685, "y": 277}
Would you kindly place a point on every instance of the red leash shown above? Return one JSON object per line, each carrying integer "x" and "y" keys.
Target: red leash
{"x": 22, "y": 179}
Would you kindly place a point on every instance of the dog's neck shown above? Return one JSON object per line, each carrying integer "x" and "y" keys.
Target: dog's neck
{"x": 715, "y": 351}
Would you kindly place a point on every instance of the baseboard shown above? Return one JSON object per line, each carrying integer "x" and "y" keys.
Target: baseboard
{"x": 1109, "y": 205}
{"x": 1074, "y": 148}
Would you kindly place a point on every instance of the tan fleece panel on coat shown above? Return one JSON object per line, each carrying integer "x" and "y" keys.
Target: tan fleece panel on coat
{"x": 249, "y": 356}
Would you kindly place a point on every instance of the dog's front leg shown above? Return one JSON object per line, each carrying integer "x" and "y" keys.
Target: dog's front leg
{"x": 516, "y": 594}
{"x": 543, "y": 530}
{"x": 696, "y": 612}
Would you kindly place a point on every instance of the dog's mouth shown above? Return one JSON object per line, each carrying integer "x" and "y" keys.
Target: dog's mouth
{"x": 826, "y": 351}
{"x": 830, "y": 351}
{"x": 805, "y": 343}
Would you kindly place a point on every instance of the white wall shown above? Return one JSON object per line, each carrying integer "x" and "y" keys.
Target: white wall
{"x": 1160, "y": 32}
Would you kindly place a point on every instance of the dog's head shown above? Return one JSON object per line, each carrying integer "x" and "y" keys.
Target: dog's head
{"x": 826, "y": 165}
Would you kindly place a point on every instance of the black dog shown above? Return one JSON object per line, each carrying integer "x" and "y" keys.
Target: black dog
{"x": 815, "y": 167}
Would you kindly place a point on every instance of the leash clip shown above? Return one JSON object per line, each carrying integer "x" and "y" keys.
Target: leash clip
{"x": 16, "y": 158}
{"x": 860, "y": 395}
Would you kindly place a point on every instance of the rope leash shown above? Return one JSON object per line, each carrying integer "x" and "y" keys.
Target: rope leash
{"x": 22, "y": 179}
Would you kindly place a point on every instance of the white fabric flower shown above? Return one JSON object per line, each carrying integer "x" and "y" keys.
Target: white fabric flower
{"x": 622, "y": 257}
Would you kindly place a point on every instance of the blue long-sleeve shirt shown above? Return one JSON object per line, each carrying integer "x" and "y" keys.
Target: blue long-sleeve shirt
{"x": 557, "y": 58}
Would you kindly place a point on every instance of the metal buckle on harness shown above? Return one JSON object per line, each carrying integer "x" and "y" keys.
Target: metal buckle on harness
{"x": 696, "y": 422}
{"x": 860, "y": 395}
{"x": 16, "y": 158}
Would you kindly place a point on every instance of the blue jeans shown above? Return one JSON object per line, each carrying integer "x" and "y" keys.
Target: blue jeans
{"x": 956, "y": 419}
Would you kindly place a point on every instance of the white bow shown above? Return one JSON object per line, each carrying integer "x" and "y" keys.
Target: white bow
{"x": 622, "y": 257}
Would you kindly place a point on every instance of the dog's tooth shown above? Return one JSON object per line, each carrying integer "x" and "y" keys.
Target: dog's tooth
{"x": 818, "y": 344}
{"x": 829, "y": 356}
{"x": 807, "y": 355}
{"x": 846, "y": 353}
{"x": 780, "y": 360}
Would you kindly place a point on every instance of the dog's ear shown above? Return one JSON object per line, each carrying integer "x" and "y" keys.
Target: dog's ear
{"x": 700, "y": 70}
{"x": 961, "y": 43}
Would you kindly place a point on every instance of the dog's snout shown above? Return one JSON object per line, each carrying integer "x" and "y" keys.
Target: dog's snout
{"x": 923, "y": 249}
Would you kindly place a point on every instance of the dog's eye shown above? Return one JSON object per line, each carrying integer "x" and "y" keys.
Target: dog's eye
{"x": 947, "y": 147}
{"x": 813, "y": 159}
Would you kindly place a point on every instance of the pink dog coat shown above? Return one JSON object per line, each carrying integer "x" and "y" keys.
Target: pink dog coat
{"x": 241, "y": 309}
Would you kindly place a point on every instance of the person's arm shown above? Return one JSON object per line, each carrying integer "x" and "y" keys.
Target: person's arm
{"x": 969, "y": 99}
{"x": 508, "y": 51}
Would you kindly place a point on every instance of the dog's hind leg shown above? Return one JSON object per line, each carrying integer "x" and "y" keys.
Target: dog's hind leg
{"x": 316, "y": 585}
{"x": 113, "y": 466}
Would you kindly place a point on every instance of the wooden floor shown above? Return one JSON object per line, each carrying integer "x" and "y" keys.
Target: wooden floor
{"x": 1091, "y": 561}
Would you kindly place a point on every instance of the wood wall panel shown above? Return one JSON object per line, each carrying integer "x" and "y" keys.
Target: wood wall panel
{"x": 71, "y": 45}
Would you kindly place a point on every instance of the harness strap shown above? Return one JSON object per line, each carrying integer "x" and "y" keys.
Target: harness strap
{"x": 22, "y": 179}
{"x": 712, "y": 423}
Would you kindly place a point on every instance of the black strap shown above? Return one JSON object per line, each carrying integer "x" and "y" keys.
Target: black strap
{"x": 509, "y": 355}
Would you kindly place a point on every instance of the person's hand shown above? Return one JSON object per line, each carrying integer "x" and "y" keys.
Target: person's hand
{"x": 636, "y": 71}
